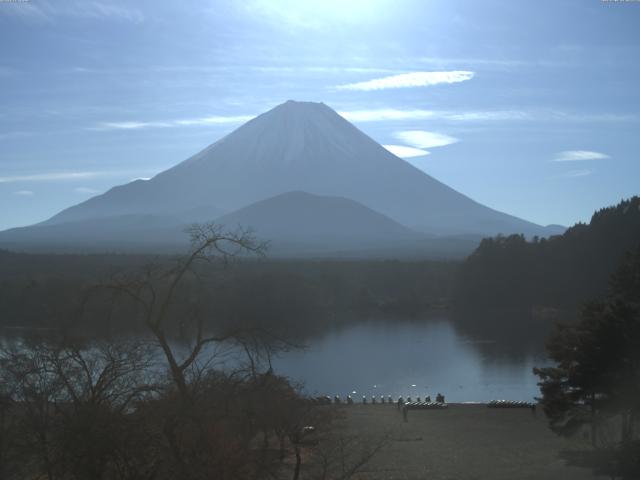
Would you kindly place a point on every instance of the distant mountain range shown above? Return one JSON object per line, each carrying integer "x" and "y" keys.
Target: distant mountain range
{"x": 301, "y": 176}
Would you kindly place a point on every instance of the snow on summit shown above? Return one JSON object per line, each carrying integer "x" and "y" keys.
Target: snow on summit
{"x": 306, "y": 147}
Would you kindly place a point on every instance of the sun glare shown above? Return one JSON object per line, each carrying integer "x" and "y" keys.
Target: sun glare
{"x": 318, "y": 12}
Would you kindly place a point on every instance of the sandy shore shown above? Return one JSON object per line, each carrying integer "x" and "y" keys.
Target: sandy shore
{"x": 463, "y": 442}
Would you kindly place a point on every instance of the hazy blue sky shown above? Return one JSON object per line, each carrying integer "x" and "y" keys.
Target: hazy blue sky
{"x": 535, "y": 111}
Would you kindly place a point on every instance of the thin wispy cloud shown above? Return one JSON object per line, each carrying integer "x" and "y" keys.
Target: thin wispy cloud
{"x": 424, "y": 139}
{"x": 7, "y": 71}
{"x": 24, "y": 193}
{"x": 307, "y": 15}
{"x": 378, "y": 115}
{"x": 44, "y": 177}
{"x": 387, "y": 114}
{"x": 110, "y": 9}
{"x": 579, "y": 156}
{"x": 592, "y": 117}
{"x": 215, "y": 120}
{"x": 130, "y": 125}
{"x": 478, "y": 116}
{"x": 384, "y": 114}
{"x": 410, "y": 80}
{"x": 499, "y": 62}
{"x": 26, "y": 11}
{"x": 404, "y": 151}
{"x": 189, "y": 122}
{"x": 491, "y": 116}
{"x": 221, "y": 69}
{"x": 86, "y": 190}
{"x": 577, "y": 173}
{"x": 66, "y": 176}
{"x": 45, "y": 11}
{"x": 10, "y": 135}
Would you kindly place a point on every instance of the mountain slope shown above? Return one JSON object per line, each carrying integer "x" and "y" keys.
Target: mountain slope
{"x": 302, "y": 146}
{"x": 130, "y": 232}
{"x": 295, "y": 221}
{"x": 296, "y": 224}
{"x": 126, "y": 232}
{"x": 299, "y": 217}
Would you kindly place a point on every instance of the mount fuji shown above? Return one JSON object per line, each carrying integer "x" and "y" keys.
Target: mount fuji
{"x": 351, "y": 186}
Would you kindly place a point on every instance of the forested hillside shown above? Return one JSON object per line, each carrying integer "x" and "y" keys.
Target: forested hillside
{"x": 560, "y": 272}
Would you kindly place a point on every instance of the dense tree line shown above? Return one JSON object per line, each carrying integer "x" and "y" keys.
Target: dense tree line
{"x": 40, "y": 290}
{"x": 541, "y": 274}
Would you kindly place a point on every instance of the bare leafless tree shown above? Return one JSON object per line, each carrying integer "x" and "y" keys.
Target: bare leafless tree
{"x": 70, "y": 403}
{"x": 155, "y": 290}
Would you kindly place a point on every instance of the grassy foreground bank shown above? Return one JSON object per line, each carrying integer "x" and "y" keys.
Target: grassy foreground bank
{"x": 462, "y": 442}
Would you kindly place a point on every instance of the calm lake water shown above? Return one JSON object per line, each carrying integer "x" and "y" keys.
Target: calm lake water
{"x": 396, "y": 358}
{"x": 415, "y": 359}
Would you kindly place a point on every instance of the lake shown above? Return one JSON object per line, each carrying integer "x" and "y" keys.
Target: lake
{"x": 411, "y": 359}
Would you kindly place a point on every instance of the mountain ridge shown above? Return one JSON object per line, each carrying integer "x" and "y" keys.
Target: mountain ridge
{"x": 309, "y": 147}
{"x": 306, "y": 226}
{"x": 302, "y": 215}
{"x": 301, "y": 147}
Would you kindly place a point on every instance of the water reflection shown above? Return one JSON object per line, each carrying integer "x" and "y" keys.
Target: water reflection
{"x": 396, "y": 357}
{"x": 416, "y": 359}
